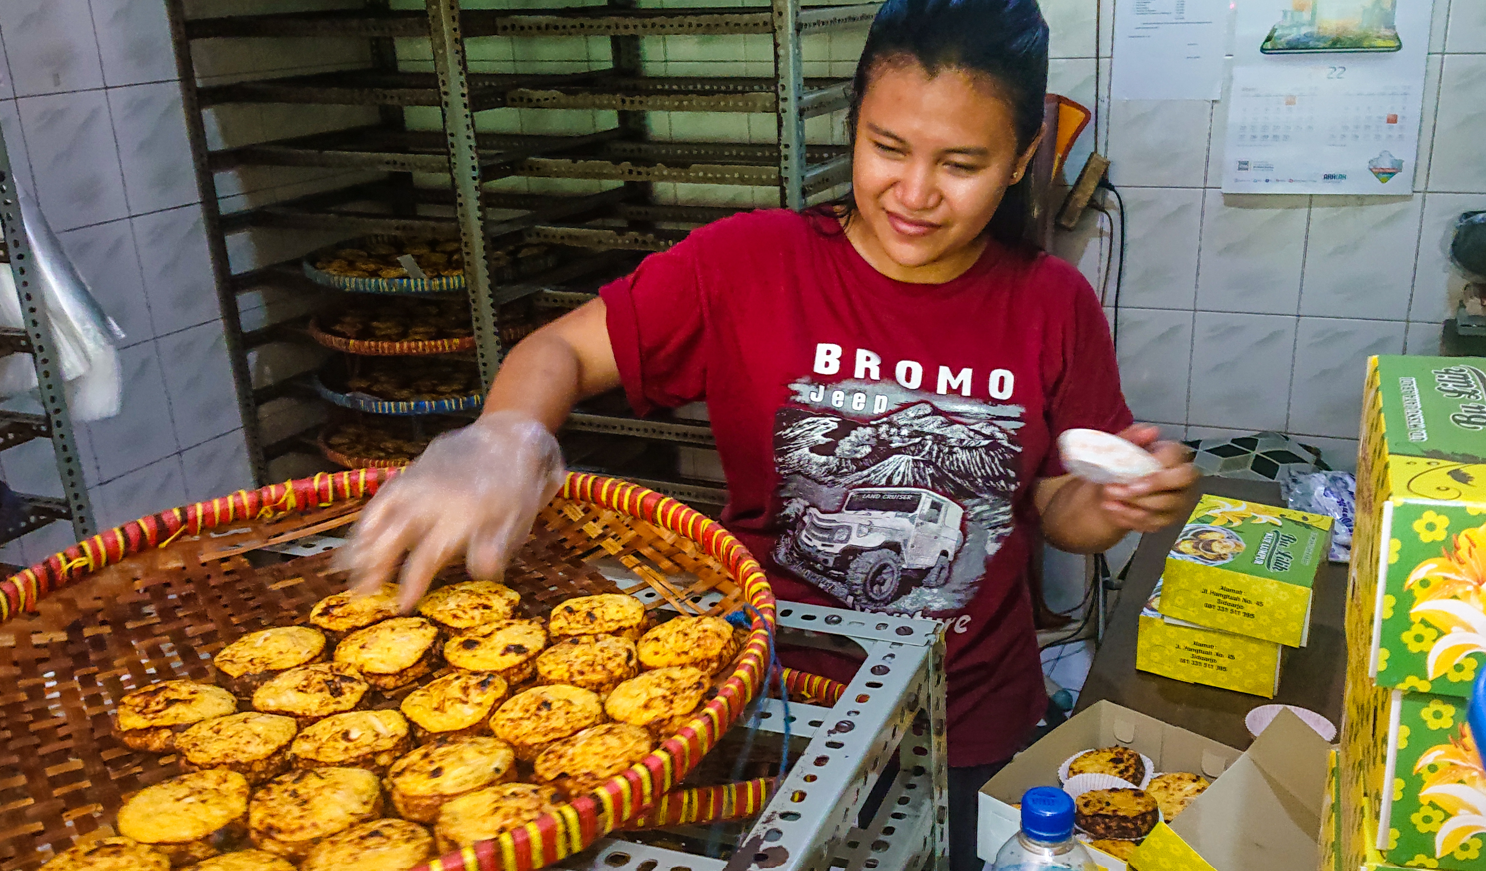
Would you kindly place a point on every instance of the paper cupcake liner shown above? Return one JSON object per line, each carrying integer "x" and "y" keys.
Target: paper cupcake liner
{"x": 1259, "y": 719}
{"x": 1150, "y": 768}
{"x": 1079, "y": 784}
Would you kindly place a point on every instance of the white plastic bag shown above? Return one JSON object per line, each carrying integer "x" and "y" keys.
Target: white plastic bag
{"x": 83, "y": 333}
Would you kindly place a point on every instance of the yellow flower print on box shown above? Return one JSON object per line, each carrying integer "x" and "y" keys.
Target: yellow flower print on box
{"x": 1393, "y": 839}
{"x": 1419, "y": 637}
{"x": 1393, "y": 547}
{"x": 1389, "y": 601}
{"x": 1403, "y": 737}
{"x": 1475, "y": 510}
{"x": 1383, "y": 659}
{"x": 1432, "y": 526}
{"x": 1471, "y": 849}
{"x": 1423, "y": 861}
{"x": 1450, "y": 595}
{"x": 1416, "y": 684}
{"x": 1398, "y": 789}
{"x": 1438, "y": 715}
{"x": 1427, "y": 818}
{"x": 1462, "y": 671}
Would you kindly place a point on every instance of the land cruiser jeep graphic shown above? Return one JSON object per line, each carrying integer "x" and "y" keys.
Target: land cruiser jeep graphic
{"x": 883, "y": 536}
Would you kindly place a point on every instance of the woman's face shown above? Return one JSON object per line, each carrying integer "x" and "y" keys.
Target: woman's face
{"x": 934, "y": 156}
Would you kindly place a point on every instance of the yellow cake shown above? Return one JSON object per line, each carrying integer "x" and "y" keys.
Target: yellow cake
{"x": 1121, "y": 762}
{"x": 380, "y": 845}
{"x": 531, "y": 720}
{"x": 604, "y": 614}
{"x": 1174, "y": 791}
{"x": 459, "y": 608}
{"x": 151, "y": 718}
{"x": 1120, "y": 814}
{"x": 661, "y": 700}
{"x": 457, "y": 705}
{"x": 704, "y": 643}
{"x": 593, "y": 662}
{"x": 252, "y": 744}
{"x": 188, "y": 818}
{"x": 109, "y": 854}
{"x": 358, "y": 739}
{"x": 344, "y": 613}
{"x": 508, "y": 648}
{"x": 490, "y": 812}
{"x": 422, "y": 781}
{"x": 312, "y": 692}
{"x": 393, "y": 653}
{"x": 297, "y": 810}
{"x": 244, "y": 860}
{"x": 581, "y": 763}
{"x": 248, "y": 663}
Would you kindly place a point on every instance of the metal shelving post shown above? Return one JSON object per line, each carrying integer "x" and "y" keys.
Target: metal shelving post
{"x": 35, "y": 338}
{"x": 789, "y": 87}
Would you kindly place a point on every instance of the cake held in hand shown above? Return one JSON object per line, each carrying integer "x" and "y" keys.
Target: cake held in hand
{"x": 151, "y": 718}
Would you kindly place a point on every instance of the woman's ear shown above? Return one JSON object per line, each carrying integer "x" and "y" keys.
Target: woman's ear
{"x": 1026, "y": 156}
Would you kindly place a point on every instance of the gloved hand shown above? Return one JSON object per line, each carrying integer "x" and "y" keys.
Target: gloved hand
{"x": 474, "y": 491}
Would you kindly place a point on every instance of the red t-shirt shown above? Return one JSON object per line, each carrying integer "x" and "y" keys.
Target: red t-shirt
{"x": 880, "y": 439}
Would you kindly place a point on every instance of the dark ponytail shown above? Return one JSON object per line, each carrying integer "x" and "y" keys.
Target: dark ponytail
{"x": 1003, "y": 39}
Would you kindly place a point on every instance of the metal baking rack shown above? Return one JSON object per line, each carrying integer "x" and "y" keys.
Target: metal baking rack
{"x": 35, "y": 339}
{"x": 600, "y": 235}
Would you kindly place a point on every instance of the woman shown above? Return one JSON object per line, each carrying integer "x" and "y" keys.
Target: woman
{"x": 885, "y": 380}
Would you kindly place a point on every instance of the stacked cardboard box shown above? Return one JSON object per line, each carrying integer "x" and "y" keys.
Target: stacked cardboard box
{"x": 1412, "y": 788}
{"x": 1236, "y": 591}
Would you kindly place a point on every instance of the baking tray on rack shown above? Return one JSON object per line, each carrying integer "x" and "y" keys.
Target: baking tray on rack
{"x": 343, "y": 382}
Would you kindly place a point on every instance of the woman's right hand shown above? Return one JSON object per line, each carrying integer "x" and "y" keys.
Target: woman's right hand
{"x": 474, "y": 492}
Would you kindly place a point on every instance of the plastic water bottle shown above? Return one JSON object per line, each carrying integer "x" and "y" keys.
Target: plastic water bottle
{"x": 1046, "y": 841}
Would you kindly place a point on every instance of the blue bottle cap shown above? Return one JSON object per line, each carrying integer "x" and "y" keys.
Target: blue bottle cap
{"x": 1047, "y": 814}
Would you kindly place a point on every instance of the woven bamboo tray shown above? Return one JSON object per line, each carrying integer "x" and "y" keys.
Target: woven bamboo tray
{"x": 514, "y": 269}
{"x": 155, "y": 599}
{"x": 389, "y": 349}
{"x": 329, "y": 380}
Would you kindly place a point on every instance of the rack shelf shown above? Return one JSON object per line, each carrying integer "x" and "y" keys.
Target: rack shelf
{"x": 371, "y": 87}
{"x": 594, "y": 21}
{"x": 395, "y": 150}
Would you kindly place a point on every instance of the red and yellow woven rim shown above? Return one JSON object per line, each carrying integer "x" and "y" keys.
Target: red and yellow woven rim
{"x": 368, "y": 348}
{"x": 571, "y": 828}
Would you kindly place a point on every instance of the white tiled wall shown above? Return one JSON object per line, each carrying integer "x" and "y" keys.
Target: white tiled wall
{"x": 1241, "y": 313}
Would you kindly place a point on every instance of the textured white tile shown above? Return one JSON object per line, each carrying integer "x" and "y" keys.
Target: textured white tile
{"x": 133, "y": 41}
{"x": 1217, "y": 140}
{"x": 1458, "y": 164}
{"x": 1437, "y": 284}
{"x": 1072, "y": 26}
{"x": 1439, "y": 25}
{"x": 198, "y": 379}
{"x": 31, "y": 467}
{"x": 1159, "y": 143}
{"x": 1074, "y": 78}
{"x": 105, "y": 258}
{"x": 1087, "y": 247}
{"x": 15, "y": 146}
{"x": 1467, "y": 26}
{"x": 142, "y": 431}
{"x": 1424, "y": 339}
{"x": 1359, "y": 261}
{"x": 1433, "y": 69}
{"x": 150, "y": 127}
{"x": 1155, "y": 351}
{"x": 1197, "y": 433}
{"x": 1161, "y": 255}
{"x": 7, "y": 87}
{"x": 150, "y": 490}
{"x": 1339, "y": 454}
{"x": 217, "y": 468}
{"x": 1253, "y": 248}
{"x": 50, "y": 46}
{"x": 1330, "y": 368}
{"x": 1241, "y": 370}
{"x": 74, "y": 160}
{"x": 177, "y": 268}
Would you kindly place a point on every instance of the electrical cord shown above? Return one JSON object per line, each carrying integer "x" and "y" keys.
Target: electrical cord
{"x": 1105, "y": 184}
{"x": 1085, "y": 606}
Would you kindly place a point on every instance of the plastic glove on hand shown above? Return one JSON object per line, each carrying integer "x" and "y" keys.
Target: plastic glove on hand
{"x": 474, "y": 491}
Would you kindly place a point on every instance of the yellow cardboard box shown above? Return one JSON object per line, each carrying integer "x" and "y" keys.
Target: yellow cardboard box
{"x": 1187, "y": 652}
{"x": 1246, "y": 568}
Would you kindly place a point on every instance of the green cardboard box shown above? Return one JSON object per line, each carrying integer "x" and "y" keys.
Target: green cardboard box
{"x": 1187, "y": 652}
{"x": 1432, "y": 811}
{"x": 1246, "y": 568}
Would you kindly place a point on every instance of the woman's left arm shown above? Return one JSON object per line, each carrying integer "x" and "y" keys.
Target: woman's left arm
{"x": 1082, "y": 517}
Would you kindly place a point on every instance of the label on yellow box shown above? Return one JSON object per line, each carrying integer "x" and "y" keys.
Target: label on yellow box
{"x": 1187, "y": 652}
